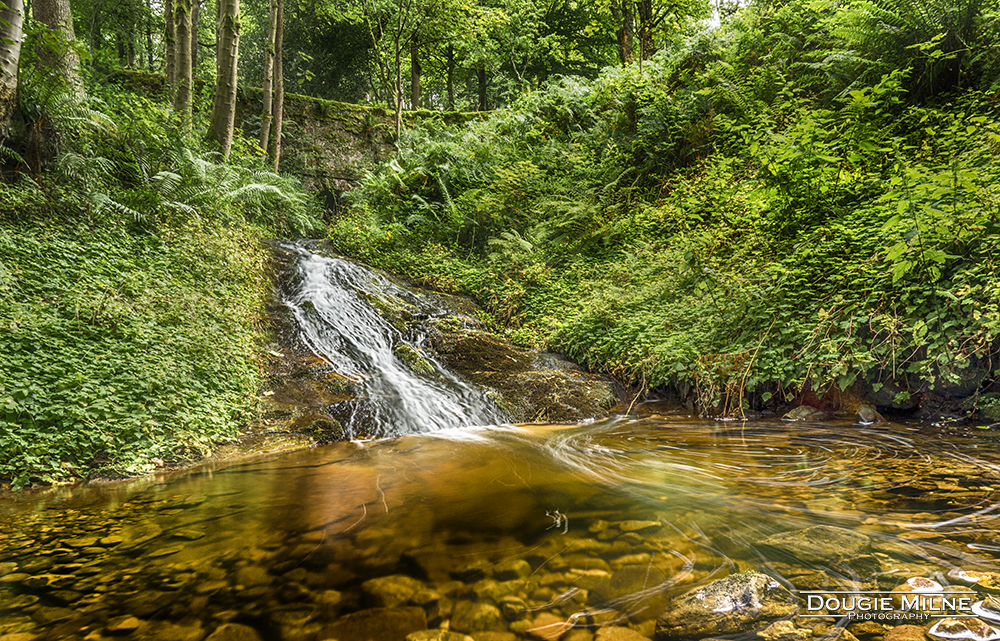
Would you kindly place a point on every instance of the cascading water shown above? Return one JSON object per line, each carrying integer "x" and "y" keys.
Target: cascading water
{"x": 335, "y": 304}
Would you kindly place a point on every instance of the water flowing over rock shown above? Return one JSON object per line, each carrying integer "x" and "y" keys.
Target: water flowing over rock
{"x": 390, "y": 359}
{"x": 737, "y": 603}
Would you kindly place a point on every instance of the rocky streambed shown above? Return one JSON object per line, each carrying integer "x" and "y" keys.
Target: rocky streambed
{"x": 659, "y": 528}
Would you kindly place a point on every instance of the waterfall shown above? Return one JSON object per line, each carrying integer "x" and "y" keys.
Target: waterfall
{"x": 342, "y": 312}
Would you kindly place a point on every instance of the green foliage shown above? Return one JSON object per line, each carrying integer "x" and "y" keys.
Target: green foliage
{"x": 132, "y": 277}
{"x": 761, "y": 197}
{"x": 121, "y": 349}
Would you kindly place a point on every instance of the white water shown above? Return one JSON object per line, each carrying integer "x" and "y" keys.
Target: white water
{"x": 330, "y": 301}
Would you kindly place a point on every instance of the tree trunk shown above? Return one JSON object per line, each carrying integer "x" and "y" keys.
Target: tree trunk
{"x": 481, "y": 77}
{"x": 624, "y": 17}
{"x": 169, "y": 43}
{"x": 265, "y": 116}
{"x": 414, "y": 72}
{"x": 450, "y": 82}
{"x": 149, "y": 34}
{"x": 11, "y": 25}
{"x": 182, "y": 61}
{"x": 279, "y": 80}
{"x": 64, "y": 60}
{"x": 227, "y": 55}
{"x": 646, "y": 26}
{"x": 195, "y": 14}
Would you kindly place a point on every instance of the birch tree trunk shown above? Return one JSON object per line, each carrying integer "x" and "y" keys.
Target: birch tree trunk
{"x": 182, "y": 61}
{"x": 56, "y": 15}
{"x": 11, "y": 32}
{"x": 279, "y": 81}
{"x": 265, "y": 116}
{"x": 227, "y": 55}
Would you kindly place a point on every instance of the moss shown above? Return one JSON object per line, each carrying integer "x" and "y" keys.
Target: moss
{"x": 413, "y": 358}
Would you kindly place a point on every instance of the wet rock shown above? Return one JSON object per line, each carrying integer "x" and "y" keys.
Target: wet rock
{"x": 166, "y": 631}
{"x": 470, "y": 616}
{"x": 868, "y": 630}
{"x": 964, "y": 628}
{"x": 513, "y": 608}
{"x": 784, "y": 631}
{"x": 295, "y": 624}
{"x": 438, "y": 635}
{"x": 81, "y": 542}
{"x": 867, "y": 414}
{"x": 639, "y": 526}
{"x": 390, "y": 591}
{"x": 819, "y": 544}
{"x": 234, "y": 632}
{"x": 188, "y": 534}
{"x": 251, "y": 576}
{"x": 737, "y": 603}
{"x": 413, "y": 358}
{"x": 906, "y": 633}
{"x": 580, "y": 634}
{"x": 638, "y": 583}
{"x": 495, "y": 636}
{"x": 805, "y": 413}
{"x": 618, "y": 633}
{"x": 525, "y": 391}
{"x": 496, "y": 590}
{"x": 512, "y": 569}
{"x": 547, "y": 627}
{"x": 384, "y": 624}
{"x": 19, "y": 636}
{"x": 7, "y": 567}
{"x": 45, "y": 615}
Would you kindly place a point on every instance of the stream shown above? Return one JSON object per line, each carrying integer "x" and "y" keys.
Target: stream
{"x": 439, "y": 521}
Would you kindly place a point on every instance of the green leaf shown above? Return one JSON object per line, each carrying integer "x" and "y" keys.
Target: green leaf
{"x": 901, "y": 269}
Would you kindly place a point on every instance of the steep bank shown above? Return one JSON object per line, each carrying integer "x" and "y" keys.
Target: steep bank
{"x": 721, "y": 227}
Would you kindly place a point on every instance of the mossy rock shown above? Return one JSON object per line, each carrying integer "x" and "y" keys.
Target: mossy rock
{"x": 524, "y": 385}
{"x": 413, "y": 358}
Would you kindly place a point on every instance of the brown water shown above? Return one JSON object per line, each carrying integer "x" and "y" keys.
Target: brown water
{"x": 503, "y": 533}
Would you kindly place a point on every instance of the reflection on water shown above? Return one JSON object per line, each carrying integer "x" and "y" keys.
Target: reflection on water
{"x": 498, "y": 533}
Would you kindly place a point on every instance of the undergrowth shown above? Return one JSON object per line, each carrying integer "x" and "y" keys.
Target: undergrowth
{"x": 776, "y": 225}
{"x": 132, "y": 282}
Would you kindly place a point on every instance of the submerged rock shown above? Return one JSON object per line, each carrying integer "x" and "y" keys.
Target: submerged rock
{"x": 737, "y": 603}
{"x": 805, "y": 413}
{"x": 964, "y": 628}
{"x": 384, "y": 624}
{"x": 823, "y": 544}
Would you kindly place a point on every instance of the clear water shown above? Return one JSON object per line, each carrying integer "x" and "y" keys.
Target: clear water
{"x": 500, "y": 532}
{"x": 287, "y": 544}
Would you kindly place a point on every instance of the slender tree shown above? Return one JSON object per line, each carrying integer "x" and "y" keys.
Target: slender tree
{"x": 279, "y": 80}
{"x": 63, "y": 59}
{"x": 11, "y": 23}
{"x": 624, "y": 17}
{"x": 183, "y": 72}
{"x": 169, "y": 43}
{"x": 227, "y": 55}
{"x": 415, "y": 71}
{"x": 265, "y": 115}
{"x": 195, "y": 15}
